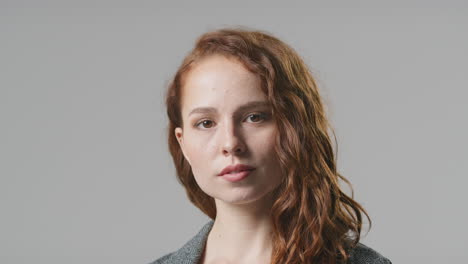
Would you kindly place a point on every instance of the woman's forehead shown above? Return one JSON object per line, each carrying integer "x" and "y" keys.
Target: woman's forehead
{"x": 220, "y": 81}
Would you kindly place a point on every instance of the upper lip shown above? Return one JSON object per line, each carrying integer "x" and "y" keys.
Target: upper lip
{"x": 236, "y": 167}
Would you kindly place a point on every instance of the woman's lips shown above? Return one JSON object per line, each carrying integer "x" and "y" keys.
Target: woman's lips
{"x": 236, "y": 176}
{"x": 235, "y": 168}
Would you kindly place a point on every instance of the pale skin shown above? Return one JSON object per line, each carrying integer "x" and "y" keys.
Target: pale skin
{"x": 237, "y": 128}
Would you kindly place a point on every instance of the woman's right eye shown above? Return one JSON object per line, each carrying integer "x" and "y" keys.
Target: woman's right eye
{"x": 205, "y": 124}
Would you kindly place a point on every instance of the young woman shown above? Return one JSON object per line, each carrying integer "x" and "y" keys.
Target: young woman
{"x": 249, "y": 138}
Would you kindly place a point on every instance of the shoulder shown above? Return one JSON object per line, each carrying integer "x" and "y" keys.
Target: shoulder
{"x": 363, "y": 254}
{"x": 192, "y": 251}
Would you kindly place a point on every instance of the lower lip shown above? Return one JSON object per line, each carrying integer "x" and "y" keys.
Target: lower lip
{"x": 235, "y": 177}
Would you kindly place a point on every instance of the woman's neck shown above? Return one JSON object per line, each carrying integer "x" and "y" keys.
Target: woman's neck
{"x": 241, "y": 233}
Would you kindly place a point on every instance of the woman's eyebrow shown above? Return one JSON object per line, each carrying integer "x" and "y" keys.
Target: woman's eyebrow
{"x": 242, "y": 108}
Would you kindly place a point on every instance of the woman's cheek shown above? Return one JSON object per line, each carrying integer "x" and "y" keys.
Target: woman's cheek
{"x": 197, "y": 156}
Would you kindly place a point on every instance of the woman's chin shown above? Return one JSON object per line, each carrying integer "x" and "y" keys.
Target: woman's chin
{"x": 239, "y": 198}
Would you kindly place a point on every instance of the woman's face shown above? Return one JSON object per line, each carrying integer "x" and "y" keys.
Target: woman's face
{"x": 227, "y": 121}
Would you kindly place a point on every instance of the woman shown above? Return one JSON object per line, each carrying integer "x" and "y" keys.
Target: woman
{"x": 249, "y": 138}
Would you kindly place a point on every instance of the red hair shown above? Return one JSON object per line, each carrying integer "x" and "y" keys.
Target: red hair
{"x": 313, "y": 219}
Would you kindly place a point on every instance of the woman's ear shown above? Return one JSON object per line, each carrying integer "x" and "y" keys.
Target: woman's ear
{"x": 179, "y": 134}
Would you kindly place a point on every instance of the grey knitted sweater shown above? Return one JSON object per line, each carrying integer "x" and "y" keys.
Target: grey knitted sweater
{"x": 191, "y": 252}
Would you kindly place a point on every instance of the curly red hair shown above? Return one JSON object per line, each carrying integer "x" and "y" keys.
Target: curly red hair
{"x": 314, "y": 221}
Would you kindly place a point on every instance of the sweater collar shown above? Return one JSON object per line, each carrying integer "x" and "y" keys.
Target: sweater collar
{"x": 191, "y": 252}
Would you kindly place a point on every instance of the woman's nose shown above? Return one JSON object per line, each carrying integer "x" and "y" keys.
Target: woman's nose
{"x": 232, "y": 142}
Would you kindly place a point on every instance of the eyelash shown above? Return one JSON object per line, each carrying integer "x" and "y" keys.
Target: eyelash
{"x": 261, "y": 115}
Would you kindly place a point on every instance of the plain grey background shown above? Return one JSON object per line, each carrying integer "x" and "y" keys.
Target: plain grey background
{"x": 85, "y": 174}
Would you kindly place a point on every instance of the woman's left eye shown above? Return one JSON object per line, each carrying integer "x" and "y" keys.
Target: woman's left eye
{"x": 255, "y": 118}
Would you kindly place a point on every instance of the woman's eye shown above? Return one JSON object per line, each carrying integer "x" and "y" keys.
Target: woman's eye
{"x": 205, "y": 124}
{"x": 255, "y": 118}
